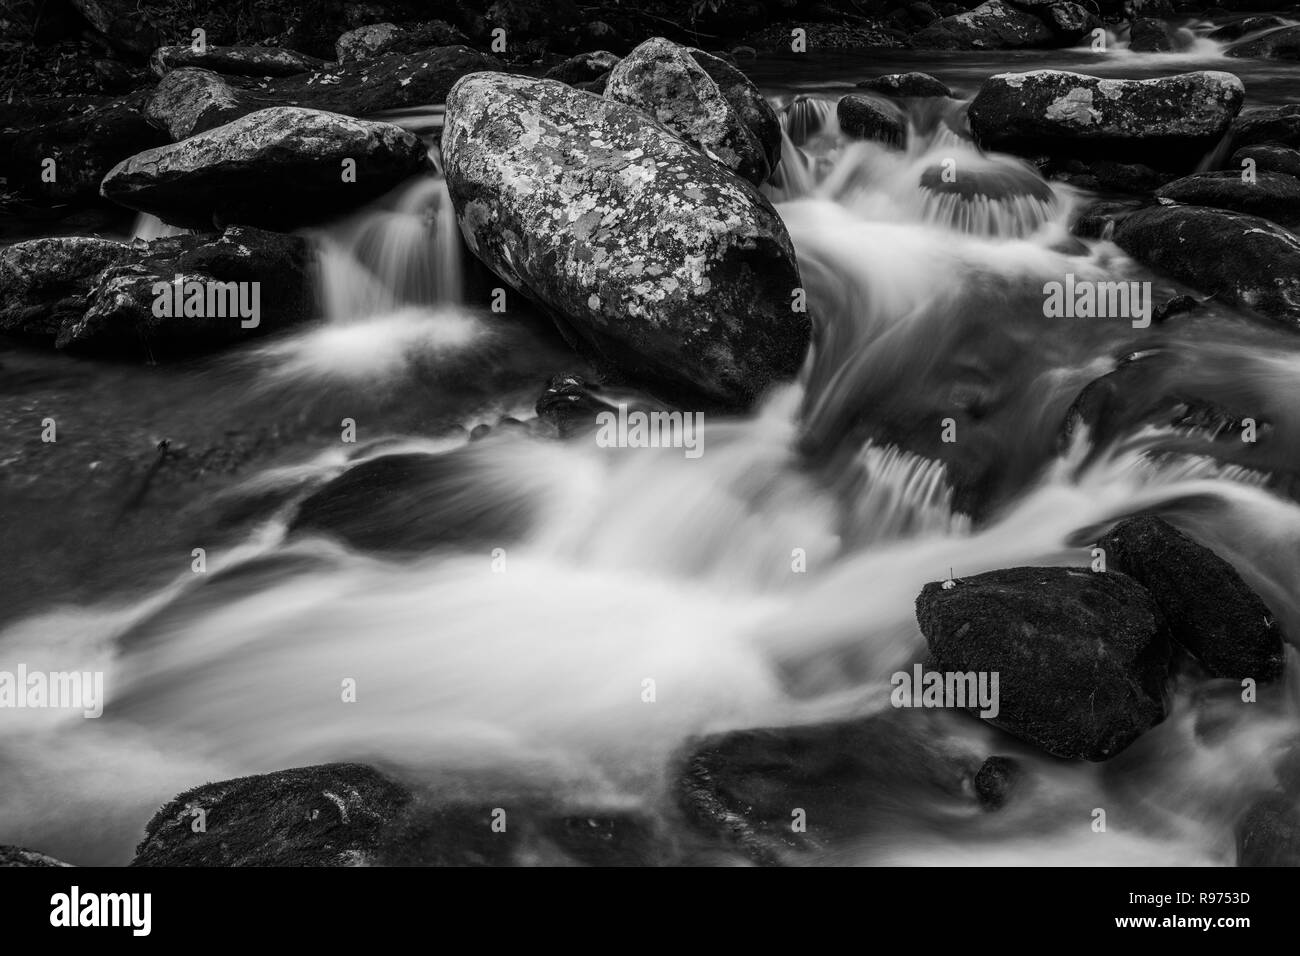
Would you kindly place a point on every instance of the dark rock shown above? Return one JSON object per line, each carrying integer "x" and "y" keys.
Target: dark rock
{"x": 906, "y": 85}
{"x": 665, "y": 81}
{"x": 1277, "y": 125}
{"x": 847, "y": 779}
{"x": 45, "y": 283}
{"x": 1165, "y": 122}
{"x": 1244, "y": 27}
{"x": 862, "y": 117}
{"x": 1241, "y": 259}
{"x": 280, "y": 168}
{"x": 1211, "y": 611}
{"x": 376, "y": 39}
{"x": 119, "y": 317}
{"x": 1274, "y": 196}
{"x": 1276, "y": 159}
{"x": 993, "y": 25}
{"x": 1082, "y": 657}
{"x": 385, "y": 82}
{"x": 1120, "y": 177}
{"x": 1149, "y": 36}
{"x": 1269, "y": 833}
{"x": 996, "y": 780}
{"x": 84, "y": 145}
{"x": 328, "y": 815}
{"x": 234, "y": 61}
{"x": 1070, "y": 22}
{"x": 17, "y": 856}
{"x": 568, "y": 404}
{"x": 1283, "y": 44}
{"x": 1098, "y": 219}
{"x": 369, "y": 506}
{"x": 1177, "y": 305}
{"x": 583, "y": 68}
{"x": 652, "y": 273}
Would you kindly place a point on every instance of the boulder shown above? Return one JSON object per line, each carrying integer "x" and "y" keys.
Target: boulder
{"x": 1082, "y": 657}
{"x": 1283, "y": 44}
{"x": 256, "y": 61}
{"x": 1241, "y": 259}
{"x": 328, "y": 815}
{"x": 45, "y": 282}
{"x": 375, "y": 39}
{"x": 584, "y": 68}
{"x": 17, "y": 856}
{"x": 1167, "y": 121}
{"x": 277, "y": 168}
{"x": 665, "y": 81}
{"x": 1070, "y": 22}
{"x": 98, "y": 296}
{"x": 1149, "y": 35}
{"x": 188, "y": 101}
{"x": 1271, "y": 158}
{"x": 753, "y": 108}
{"x": 654, "y": 260}
{"x": 85, "y": 139}
{"x": 1274, "y": 196}
{"x": 862, "y": 117}
{"x": 993, "y": 25}
{"x": 1210, "y": 610}
{"x": 906, "y": 85}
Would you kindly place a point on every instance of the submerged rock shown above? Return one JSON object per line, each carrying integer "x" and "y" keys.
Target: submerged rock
{"x": 1210, "y": 610}
{"x": 650, "y": 257}
{"x": 1081, "y": 656}
{"x": 667, "y": 82}
{"x": 995, "y": 781}
{"x": 1240, "y": 28}
{"x": 278, "y": 168}
{"x": 1283, "y": 44}
{"x": 1244, "y": 260}
{"x": 328, "y": 815}
{"x": 1167, "y": 122}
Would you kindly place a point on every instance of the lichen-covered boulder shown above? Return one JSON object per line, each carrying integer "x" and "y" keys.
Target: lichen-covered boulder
{"x": 754, "y": 109}
{"x": 44, "y": 282}
{"x": 276, "y": 168}
{"x": 664, "y": 80}
{"x": 990, "y": 26}
{"x": 190, "y": 100}
{"x": 654, "y": 260}
{"x": 1166, "y": 121}
{"x": 375, "y": 39}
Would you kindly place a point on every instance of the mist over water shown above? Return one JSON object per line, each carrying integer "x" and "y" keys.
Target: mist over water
{"x": 617, "y": 565}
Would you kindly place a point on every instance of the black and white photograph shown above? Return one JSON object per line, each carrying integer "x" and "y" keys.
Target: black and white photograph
{"x": 670, "y": 434}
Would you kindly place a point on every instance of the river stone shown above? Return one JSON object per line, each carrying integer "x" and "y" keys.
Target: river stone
{"x": 667, "y": 82}
{"x": 862, "y": 117}
{"x": 906, "y": 85}
{"x": 328, "y": 815}
{"x": 1279, "y": 125}
{"x": 1210, "y": 610}
{"x": 234, "y": 60}
{"x": 1081, "y": 656}
{"x": 1281, "y": 44}
{"x": 376, "y": 39}
{"x": 119, "y": 318}
{"x": 653, "y": 259}
{"x": 278, "y": 168}
{"x": 1277, "y": 159}
{"x": 46, "y": 282}
{"x": 1240, "y": 28}
{"x": 1149, "y": 35}
{"x": 1243, "y": 260}
{"x": 990, "y": 26}
{"x": 753, "y": 108}
{"x": 1274, "y": 196}
{"x": 190, "y": 100}
{"x": 1169, "y": 120}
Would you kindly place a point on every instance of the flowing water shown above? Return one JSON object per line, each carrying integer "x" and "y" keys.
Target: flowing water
{"x": 521, "y": 645}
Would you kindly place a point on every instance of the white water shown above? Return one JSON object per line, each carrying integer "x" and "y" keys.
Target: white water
{"x": 642, "y": 564}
